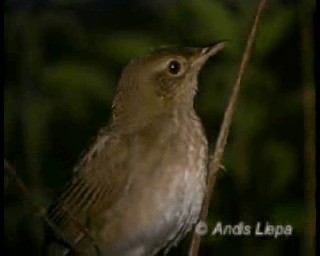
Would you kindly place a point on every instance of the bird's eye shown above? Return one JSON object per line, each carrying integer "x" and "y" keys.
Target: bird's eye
{"x": 174, "y": 67}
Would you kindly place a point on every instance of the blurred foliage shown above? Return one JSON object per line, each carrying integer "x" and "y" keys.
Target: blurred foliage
{"x": 62, "y": 63}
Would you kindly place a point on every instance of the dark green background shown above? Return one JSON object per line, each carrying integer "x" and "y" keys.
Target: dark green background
{"x": 62, "y": 62}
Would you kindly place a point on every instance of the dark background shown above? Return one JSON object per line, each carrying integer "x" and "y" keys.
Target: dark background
{"x": 62, "y": 61}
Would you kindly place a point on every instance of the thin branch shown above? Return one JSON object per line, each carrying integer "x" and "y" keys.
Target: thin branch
{"x": 42, "y": 212}
{"x": 308, "y": 98}
{"x": 12, "y": 171}
{"x": 215, "y": 162}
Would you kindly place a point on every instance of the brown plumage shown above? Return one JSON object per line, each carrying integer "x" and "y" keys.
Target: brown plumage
{"x": 140, "y": 187}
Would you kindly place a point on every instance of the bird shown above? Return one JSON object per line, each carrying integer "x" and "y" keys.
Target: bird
{"x": 139, "y": 188}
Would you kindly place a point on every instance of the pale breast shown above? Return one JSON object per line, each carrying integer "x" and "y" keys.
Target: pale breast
{"x": 164, "y": 193}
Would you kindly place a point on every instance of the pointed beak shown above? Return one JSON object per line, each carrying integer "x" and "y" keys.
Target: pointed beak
{"x": 206, "y": 52}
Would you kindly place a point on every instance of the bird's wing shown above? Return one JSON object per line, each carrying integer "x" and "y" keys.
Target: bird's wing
{"x": 97, "y": 185}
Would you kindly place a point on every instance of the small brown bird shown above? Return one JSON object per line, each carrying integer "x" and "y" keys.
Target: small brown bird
{"x": 140, "y": 187}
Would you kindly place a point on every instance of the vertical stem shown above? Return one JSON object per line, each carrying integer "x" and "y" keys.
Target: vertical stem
{"x": 29, "y": 71}
{"x": 309, "y": 133}
{"x": 215, "y": 162}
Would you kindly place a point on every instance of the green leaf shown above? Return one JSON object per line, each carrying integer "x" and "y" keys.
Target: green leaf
{"x": 75, "y": 83}
{"x": 273, "y": 29}
{"x": 282, "y": 163}
{"x": 215, "y": 21}
{"x": 290, "y": 213}
{"x": 123, "y": 46}
{"x": 35, "y": 116}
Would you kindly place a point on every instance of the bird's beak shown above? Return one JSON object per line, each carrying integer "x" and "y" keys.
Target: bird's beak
{"x": 206, "y": 52}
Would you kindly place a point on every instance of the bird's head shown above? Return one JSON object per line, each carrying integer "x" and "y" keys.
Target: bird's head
{"x": 160, "y": 83}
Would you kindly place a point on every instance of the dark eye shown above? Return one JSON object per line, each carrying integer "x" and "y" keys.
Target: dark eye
{"x": 174, "y": 67}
